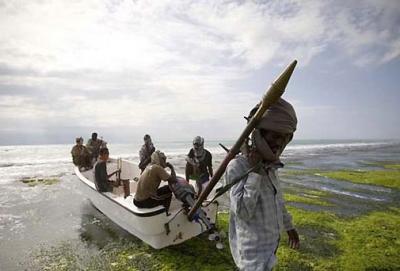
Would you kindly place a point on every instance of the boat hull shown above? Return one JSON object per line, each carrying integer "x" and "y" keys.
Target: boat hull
{"x": 153, "y": 226}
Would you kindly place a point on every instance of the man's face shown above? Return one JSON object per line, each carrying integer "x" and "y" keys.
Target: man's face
{"x": 196, "y": 146}
{"x": 163, "y": 161}
{"x": 276, "y": 141}
{"x": 104, "y": 156}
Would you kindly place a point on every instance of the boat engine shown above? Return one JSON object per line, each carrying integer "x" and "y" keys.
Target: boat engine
{"x": 185, "y": 193}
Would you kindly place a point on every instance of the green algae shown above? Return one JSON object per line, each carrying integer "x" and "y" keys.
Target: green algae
{"x": 34, "y": 182}
{"x": 371, "y": 242}
{"x": 328, "y": 242}
{"x": 387, "y": 178}
{"x": 390, "y": 177}
{"x": 306, "y": 198}
{"x": 384, "y": 164}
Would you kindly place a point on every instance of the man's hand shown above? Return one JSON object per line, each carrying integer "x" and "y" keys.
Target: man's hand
{"x": 294, "y": 241}
{"x": 169, "y": 165}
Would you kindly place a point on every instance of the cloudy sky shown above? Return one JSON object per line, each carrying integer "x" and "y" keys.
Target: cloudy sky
{"x": 176, "y": 69}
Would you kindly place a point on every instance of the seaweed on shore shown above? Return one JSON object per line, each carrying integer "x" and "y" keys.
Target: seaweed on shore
{"x": 37, "y": 181}
{"x": 368, "y": 242}
{"x": 388, "y": 177}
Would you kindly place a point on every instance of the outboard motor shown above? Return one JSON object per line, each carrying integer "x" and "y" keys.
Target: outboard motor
{"x": 185, "y": 193}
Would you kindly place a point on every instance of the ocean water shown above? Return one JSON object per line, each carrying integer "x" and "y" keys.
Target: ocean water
{"x": 46, "y": 215}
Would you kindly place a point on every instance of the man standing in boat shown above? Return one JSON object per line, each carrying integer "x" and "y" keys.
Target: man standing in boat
{"x": 199, "y": 164}
{"x": 101, "y": 178}
{"x": 94, "y": 145}
{"x": 148, "y": 194}
{"x": 145, "y": 152}
{"x": 257, "y": 209}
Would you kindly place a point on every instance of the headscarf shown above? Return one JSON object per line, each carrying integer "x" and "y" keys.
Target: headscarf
{"x": 198, "y": 147}
{"x": 148, "y": 143}
{"x": 281, "y": 118}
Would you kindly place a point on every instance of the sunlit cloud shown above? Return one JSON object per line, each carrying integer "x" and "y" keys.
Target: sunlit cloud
{"x": 140, "y": 63}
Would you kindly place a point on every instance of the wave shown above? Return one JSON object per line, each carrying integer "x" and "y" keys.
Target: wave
{"x": 36, "y": 163}
{"x": 339, "y": 145}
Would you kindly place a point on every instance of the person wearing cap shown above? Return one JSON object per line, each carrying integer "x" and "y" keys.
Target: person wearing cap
{"x": 94, "y": 144}
{"x": 145, "y": 152}
{"x": 80, "y": 154}
{"x": 148, "y": 193}
{"x": 101, "y": 177}
{"x": 257, "y": 209}
{"x": 199, "y": 164}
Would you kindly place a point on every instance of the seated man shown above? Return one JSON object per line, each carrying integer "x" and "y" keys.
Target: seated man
{"x": 101, "y": 178}
{"x": 199, "y": 164}
{"x": 148, "y": 195}
{"x": 80, "y": 154}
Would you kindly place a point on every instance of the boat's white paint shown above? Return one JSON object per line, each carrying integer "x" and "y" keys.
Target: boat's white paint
{"x": 151, "y": 229}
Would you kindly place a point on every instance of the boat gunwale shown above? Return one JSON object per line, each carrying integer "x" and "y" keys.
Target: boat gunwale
{"x": 83, "y": 179}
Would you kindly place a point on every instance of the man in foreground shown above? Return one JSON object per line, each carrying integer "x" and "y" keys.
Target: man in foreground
{"x": 257, "y": 209}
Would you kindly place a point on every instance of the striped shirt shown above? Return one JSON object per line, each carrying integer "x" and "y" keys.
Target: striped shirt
{"x": 257, "y": 216}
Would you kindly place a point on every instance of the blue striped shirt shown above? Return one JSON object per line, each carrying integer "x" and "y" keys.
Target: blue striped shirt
{"x": 257, "y": 216}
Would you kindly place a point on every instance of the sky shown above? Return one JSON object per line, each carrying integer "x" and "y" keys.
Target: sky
{"x": 177, "y": 69}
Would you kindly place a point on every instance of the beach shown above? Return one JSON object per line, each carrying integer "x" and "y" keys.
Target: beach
{"x": 340, "y": 193}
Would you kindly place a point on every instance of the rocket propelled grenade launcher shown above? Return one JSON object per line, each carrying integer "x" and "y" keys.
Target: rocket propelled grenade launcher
{"x": 273, "y": 94}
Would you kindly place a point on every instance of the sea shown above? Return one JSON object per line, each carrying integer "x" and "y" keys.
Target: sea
{"x": 33, "y": 218}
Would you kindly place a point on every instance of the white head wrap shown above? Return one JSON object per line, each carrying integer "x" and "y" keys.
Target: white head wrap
{"x": 198, "y": 147}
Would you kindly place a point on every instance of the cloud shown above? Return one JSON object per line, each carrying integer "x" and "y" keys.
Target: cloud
{"x": 140, "y": 63}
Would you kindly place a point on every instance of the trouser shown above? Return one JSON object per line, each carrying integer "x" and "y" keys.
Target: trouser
{"x": 202, "y": 179}
{"x": 164, "y": 196}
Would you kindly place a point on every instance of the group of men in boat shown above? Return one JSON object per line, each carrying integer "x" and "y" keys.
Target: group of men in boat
{"x": 257, "y": 209}
{"x": 85, "y": 156}
{"x": 152, "y": 165}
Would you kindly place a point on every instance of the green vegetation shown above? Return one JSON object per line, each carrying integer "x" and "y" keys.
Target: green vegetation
{"x": 388, "y": 178}
{"x": 307, "y": 198}
{"x": 328, "y": 242}
{"x": 392, "y": 166}
{"x": 34, "y": 182}
{"x": 385, "y": 164}
{"x": 369, "y": 242}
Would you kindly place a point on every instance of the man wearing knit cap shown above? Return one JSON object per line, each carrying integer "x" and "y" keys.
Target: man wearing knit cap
{"x": 257, "y": 209}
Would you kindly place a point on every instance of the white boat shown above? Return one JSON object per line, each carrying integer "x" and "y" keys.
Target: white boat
{"x": 151, "y": 225}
